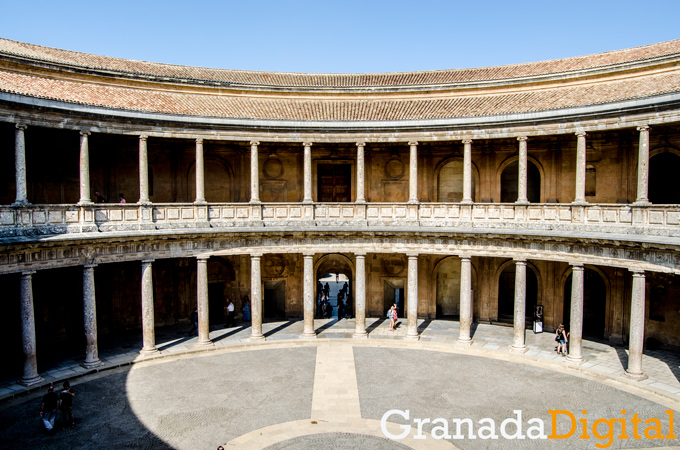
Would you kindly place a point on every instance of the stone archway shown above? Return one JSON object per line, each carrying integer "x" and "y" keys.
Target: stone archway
{"x": 594, "y": 303}
{"x": 506, "y": 293}
{"x": 218, "y": 176}
{"x": 221, "y": 277}
{"x": 449, "y": 179}
{"x": 448, "y": 288}
{"x": 509, "y": 182}
{"x": 336, "y": 264}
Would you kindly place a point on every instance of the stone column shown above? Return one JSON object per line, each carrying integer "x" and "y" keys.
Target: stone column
{"x": 412, "y": 312}
{"x": 148, "y": 325}
{"x": 467, "y": 171}
{"x": 203, "y": 305}
{"x": 522, "y": 174}
{"x": 90, "y": 315}
{"x": 308, "y": 295}
{"x": 637, "y": 327}
{"x": 30, "y": 375}
{"x": 643, "y": 166}
{"x": 256, "y": 298}
{"x": 580, "y": 195}
{"x": 84, "y": 168}
{"x": 254, "y": 173}
{"x": 413, "y": 173}
{"x": 520, "y": 307}
{"x": 143, "y": 171}
{"x": 576, "y": 313}
{"x": 360, "y": 173}
{"x": 20, "y": 165}
{"x": 200, "y": 173}
{"x": 464, "y": 336}
{"x": 360, "y": 296}
{"x": 308, "y": 173}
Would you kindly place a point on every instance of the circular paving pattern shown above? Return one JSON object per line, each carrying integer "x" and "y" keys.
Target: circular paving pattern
{"x": 293, "y": 395}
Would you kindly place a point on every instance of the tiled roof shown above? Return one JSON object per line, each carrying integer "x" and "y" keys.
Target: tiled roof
{"x": 279, "y": 79}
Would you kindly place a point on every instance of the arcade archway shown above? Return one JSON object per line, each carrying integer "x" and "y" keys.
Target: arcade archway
{"x": 334, "y": 276}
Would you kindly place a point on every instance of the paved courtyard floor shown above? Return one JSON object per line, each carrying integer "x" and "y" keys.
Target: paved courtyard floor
{"x": 334, "y": 391}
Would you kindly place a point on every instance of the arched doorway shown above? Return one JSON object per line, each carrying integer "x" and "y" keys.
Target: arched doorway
{"x": 448, "y": 289}
{"x": 594, "y": 304}
{"x": 663, "y": 187}
{"x": 334, "y": 276}
{"x": 220, "y": 279}
{"x": 506, "y": 294}
{"x": 509, "y": 179}
{"x": 450, "y": 182}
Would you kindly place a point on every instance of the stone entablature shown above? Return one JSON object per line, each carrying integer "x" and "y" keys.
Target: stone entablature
{"x": 629, "y": 220}
{"x": 63, "y": 251}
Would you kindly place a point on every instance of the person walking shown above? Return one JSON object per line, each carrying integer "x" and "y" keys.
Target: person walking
{"x": 66, "y": 397}
{"x": 48, "y": 409}
{"x": 392, "y": 314}
{"x": 230, "y": 313}
{"x": 561, "y": 336}
{"x": 246, "y": 309}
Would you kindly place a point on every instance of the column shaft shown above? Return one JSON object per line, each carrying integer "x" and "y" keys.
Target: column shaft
{"x": 143, "y": 171}
{"x": 30, "y": 375}
{"x": 256, "y": 298}
{"x": 308, "y": 295}
{"x": 412, "y": 311}
{"x": 203, "y": 305}
{"x": 200, "y": 172}
{"x": 84, "y": 168}
{"x": 519, "y": 322}
{"x": 464, "y": 336}
{"x": 360, "y": 173}
{"x": 580, "y": 195}
{"x": 413, "y": 173}
{"x": 20, "y": 165}
{"x": 360, "y": 297}
{"x": 308, "y": 173}
{"x": 254, "y": 173}
{"x": 90, "y": 316}
{"x": 467, "y": 171}
{"x": 576, "y": 313}
{"x": 637, "y": 327}
{"x": 148, "y": 320}
{"x": 643, "y": 166}
{"x": 522, "y": 174}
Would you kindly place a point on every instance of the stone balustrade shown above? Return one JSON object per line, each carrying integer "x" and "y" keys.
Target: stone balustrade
{"x": 657, "y": 220}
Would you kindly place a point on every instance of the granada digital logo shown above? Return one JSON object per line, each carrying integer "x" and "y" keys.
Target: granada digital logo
{"x": 604, "y": 430}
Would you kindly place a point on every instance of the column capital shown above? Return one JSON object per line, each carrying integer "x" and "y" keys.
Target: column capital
{"x": 576, "y": 266}
{"x": 360, "y": 255}
{"x": 255, "y": 256}
{"x": 307, "y": 144}
{"x": 202, "y": 258}
{"x": 21, "y": 126}
{"x": 361, "y": 144}
{"x": 85, "y": 132}
{"x": 27, "y": 273}
{"x": 143, "y": 137}
{"x": 90, "y": 264}
{"x": 522, "y": 138}
{"x": 308, "y": 254}
{"x": 254, "y": 143}
{"x": 643, "y": 128}
{"x": 147, "y": 261}
{"x": 199, "y": 141}
{"x": 412, "y": 143}
{"x": 412, "y": 255}
{"x": 580, "y": 133}
{"x": 637, "y": 273}
{"x": 520, "y": 261}
{"x": 465, "y": 257}
{"x": 467, "y": 141}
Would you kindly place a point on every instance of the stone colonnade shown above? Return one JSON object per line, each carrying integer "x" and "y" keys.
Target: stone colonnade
{"x": 580, "y": 182}
{"x": 31, "y": 376}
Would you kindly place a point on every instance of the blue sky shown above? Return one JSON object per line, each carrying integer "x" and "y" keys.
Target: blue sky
{"x": 341, "y": 36}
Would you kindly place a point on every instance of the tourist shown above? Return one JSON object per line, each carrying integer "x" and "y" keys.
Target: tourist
{"x": 392, "y": 314}
{"x": 98, "y": 197}
{"x": 194, "y": 321}
{"x": 230, "y": 313}
{"x": 245, "y": 309}
{"x": 48, "y": 409}
{"x": 561, "y": 337}
{"x": 341, "y": 308}
{"x": 66, "y": 396}
{"x": 121, "y": 198}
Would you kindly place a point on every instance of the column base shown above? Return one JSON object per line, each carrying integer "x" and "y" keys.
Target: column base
{"x": 522, "y": 203}
{"x": 360, "y": 335}
{"x": 92, "y": 364}
{"x": 30, "y": 381}
{"x": 361, "y": 201}
{"x": 466, "y": 202}
{"x": 642, "y": 203}
{"x": 85, "y": 203}
{"x": 148, "y": 351}
{"x": 20, "y": 204}
{"x": 412, "y": 337}
{"x": 464, "y": 342}
{"x": 311, "y": 335}
{"x": 206, "y": 343}
{"x": 635, "y": 376}
{"x": 255, "y": 202}
{"x": 518, "y": 349}
{"x": 257, "y": 338}
{"x": 575, "y": 359}
{"x": 579, "y": 203}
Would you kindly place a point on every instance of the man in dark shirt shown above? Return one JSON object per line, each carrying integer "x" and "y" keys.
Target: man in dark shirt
{"x": 66, "y": 396}
{"x": 98, "y": 197}
{"x": 48, "y": 408}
